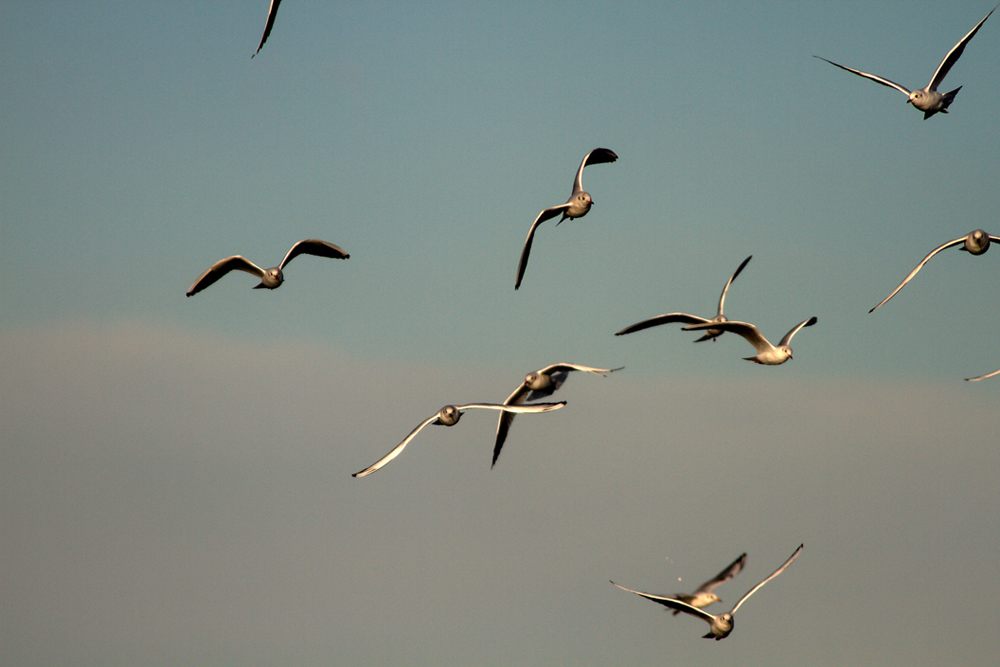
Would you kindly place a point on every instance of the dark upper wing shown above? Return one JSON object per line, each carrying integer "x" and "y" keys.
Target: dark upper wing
{"x": 314, "y": 247}
{"x": 505, "y": 420}
{"x": 722, "y": 299}
{"x": 956, "y": 52}
{"x": 221, "y": 268}
{"x": 724, "y": 576}
{"x": 667, "y": 318}
{"x": 596, "y": 156}
{"x": 877, "y": 79}
{"x": 542, "y": 217}
{"x": 673, "y": 603}
{"x": 271, "y": 13}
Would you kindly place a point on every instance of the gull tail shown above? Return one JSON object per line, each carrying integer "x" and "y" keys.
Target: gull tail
{"x": 949, "y": 97}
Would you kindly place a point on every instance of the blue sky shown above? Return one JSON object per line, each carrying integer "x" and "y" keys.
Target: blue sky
{"x": 175, "y": 471}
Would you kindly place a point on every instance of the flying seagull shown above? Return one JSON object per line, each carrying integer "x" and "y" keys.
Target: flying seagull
{"x": 575, "y": 207}
{"x": 927, "y": 99}
{"x": 975, "y": 242}
{"x": 271, "y": 13}
{"x": 723, "y": 624}
{"x": 537, "y": 384}
{"x": 269, "y": 278}
{"x": 670, "y": 318}
{"x": 449, "y": 416}
{"x": 703, "y": 595}
{"x": 767, "y": 354}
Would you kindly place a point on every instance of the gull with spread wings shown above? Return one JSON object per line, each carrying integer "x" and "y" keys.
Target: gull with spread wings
{"x": 269, "y": 278}
{"x": 575, "y": 207}
{"x": 719, "y": 625}
{"x": 927, "y": 99}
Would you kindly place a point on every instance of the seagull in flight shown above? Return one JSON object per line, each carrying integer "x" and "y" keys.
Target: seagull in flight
{"x": 537, "y": 384}
{"x": 272, "y": 12}
{"x": 719, "y": 625}
{"x": 975, "y": 243}
{"x": 767, "y": 354}
{"x": 670, "y": 318}
{"x": 703, "y": 595}
{"x": 269, "y": 278}
{"x": 575, "y": 207}
{"x": 927, "y": 99}
{"x": 449, "y": 416}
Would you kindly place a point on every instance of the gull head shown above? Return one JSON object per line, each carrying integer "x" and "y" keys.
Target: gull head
{"x": 722, "y": 625}
{"x": 704, "y": 599}
{"x": 536, "y": 381}
{"x": 271, "y": 279}
{"x": 579, "y": 204}
{"x": 977, "y": 242}
{"x": 449, "y": 415}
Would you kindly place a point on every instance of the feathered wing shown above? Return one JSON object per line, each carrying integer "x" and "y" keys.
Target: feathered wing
{"x": 983, "y": 377}
{"x": 397, "y": 450}
{"x": 772, "y": 576}
{"x": 745, "y": 329}
{"x": 952, "y": 56}
{"x": 877, "y": 79}
{"x": 314, "y": 247}
{"x": 919, "y": 266}
{"x": 272, "y": 12}
{"x": 596, "y": 156}
{"x": 787, "y": 338}
{"x": 221, "y": 268}
{"x": 546, "y": 214}
{"x": 506, "y": 419}
{"x": 666, "y": 318}
{"x": 673, "y": 603}
{"x": 722, "y": 298}
{"x": 731, "y": 571}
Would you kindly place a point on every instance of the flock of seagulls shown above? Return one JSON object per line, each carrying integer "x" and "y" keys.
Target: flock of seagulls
{"x": 544, "y": 382}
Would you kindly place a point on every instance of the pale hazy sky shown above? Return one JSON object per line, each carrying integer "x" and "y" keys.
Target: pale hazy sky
{"x": 175, "y": 475}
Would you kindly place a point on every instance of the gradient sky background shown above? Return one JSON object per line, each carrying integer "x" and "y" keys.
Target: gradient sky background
{"x": 175, "y": 474}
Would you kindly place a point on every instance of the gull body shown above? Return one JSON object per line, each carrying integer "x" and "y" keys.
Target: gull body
{"x": 537, "y": 384}
{"x": 449, "y": 416}
{"x": 576, "y": 206}
{"x": 684, "y": 318}
{"x": 703, "y": 595}
{"x": 719, "y": 625}
{"x": 927, "y": 99}
{"x": 975, "y": 242}
{"x": 272, "y": 12}
{"x": 767, "y": 354}
{"x": 269, "y": 278}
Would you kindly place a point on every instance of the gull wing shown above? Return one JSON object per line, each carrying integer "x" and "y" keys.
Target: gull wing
{"x": 722, "y": 299}
{"x": 773, "y": 575}
{"x": 546, "y": 214}
{"x": 673, "y": 603}
{"x": 983, "y": 377}
{"x": 787, "y": 339}
{"x": 745, "y": 329}
{"x": 596, "y": 156}
{"x": 314, "y": 247}
{"x": 272, "y": 12}
{"x": 731, "y": 571}
{"x": 919, "y": 266}
{"x": 221, "y": 268}
{"x": 397, "y": 450}
{"x": 952, "y": 56}
{"x": 666, "y": 318}
{"x": 506, "y": 419}
{"x": 563, "y": 366}
{"x": 877, "y": 79}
